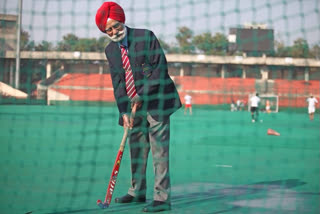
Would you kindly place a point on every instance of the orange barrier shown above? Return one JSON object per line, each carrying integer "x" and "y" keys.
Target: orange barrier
{"x": 293, "y": 93}
{"x": 204, "y": 90}
{"x": 237, "y": 85}
{"x": 213, "y": 91}
{"x": 295, "y": 87}
{"x": 85, "y": 80}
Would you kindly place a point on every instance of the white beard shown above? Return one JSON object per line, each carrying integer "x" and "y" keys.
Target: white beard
{"x": 119, "y": 36}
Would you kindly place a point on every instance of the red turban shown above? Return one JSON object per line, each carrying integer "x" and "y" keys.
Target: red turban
{"x": 109, "y": 10}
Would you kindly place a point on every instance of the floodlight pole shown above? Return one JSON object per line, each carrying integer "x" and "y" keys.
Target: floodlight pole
{"x": 17, "y": 80}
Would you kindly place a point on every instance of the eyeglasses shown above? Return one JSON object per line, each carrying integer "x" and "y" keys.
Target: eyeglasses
{"x": 116, "y": 26}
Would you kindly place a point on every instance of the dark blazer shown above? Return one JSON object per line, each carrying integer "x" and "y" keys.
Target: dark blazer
{"x": 150, "y": 72}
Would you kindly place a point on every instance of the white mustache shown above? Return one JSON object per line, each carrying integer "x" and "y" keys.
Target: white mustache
{"x": 119, "y": 36}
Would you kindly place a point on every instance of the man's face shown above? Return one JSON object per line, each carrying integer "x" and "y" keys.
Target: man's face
{"x": 115, "y": 30}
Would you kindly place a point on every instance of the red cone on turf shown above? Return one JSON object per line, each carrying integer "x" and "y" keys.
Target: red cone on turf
{"x": 273, "y": 132}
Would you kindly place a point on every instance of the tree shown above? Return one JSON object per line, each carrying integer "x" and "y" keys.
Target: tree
{"x": 102, "y": 42}
{"x": 204, "y": 43}
{"x": 315, "y": 52}
{"x": 86, "y": 45}
{"x": 184, "y": 38}
{"x": 300, "y": 48}
{"x": 25, "y": 43}
{"x": 44, "y": 46}
{"x": 165, "y": 46}
{"x": 71, "y": 42}
{"x": 211, "y": 45}
{"x": 281, "y": 50}
{"x": 68, "y": 43}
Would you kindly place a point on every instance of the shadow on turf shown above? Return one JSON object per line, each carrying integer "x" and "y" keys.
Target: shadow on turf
{"x": 181, "y": 201}
{"x": 188, "y": 200}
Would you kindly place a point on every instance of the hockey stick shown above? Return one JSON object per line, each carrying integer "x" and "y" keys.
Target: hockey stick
{"x": 116, "y": 166}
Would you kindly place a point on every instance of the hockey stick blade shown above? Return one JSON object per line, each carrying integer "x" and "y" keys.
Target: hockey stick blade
{"x": 102, "y": 205}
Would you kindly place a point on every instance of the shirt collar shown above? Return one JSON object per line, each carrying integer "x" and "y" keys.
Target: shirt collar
{"x": 124, "y": 42}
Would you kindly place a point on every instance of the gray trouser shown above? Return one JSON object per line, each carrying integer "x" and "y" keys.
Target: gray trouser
{"x": 148, "y": 133}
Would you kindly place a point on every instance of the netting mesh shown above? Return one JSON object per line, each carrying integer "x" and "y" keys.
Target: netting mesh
{"x": 59, "y": 132}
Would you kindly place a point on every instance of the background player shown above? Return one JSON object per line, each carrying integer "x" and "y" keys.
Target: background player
{"x": 188, "y": 104}
{"x": 254, "y": 103}
{"x": 233, "y": 106}
{"x": 312, "y": 101}
{"x": 268, "y": 107}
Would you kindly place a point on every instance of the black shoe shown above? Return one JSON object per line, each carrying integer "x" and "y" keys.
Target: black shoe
{"x": 157, "y": 206}
{"x": 129, "y": 199}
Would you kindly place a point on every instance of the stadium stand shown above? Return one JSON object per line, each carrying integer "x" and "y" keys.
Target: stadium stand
{"x": 8, "y": 91}
{"x": 205, "y": 91}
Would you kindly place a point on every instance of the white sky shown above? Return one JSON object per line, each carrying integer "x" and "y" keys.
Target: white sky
{"x": 52, "y": 19}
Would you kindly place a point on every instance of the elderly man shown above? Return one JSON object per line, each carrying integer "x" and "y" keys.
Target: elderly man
{"x": 140, "y": 77}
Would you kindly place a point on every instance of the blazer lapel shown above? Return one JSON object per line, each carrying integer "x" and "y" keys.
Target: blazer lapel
{"x": 131, "y": 43}
{"x": 132, "y": 50}
{"x": 117, "y": 60}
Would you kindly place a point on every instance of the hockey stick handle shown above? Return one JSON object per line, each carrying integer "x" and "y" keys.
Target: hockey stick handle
{"x": 126, "y": 129}
{"x": 133, "y": 111}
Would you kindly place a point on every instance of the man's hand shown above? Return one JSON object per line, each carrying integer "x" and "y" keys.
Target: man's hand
{"x": 137, "y": 103}
{"x": 128, "y": 120}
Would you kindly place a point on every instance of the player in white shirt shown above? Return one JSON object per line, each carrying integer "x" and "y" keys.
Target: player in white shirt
{"x": 254, "y": 103}
{"x": 233, "y": 106}
{"x": 312, "y": 101}
{"x": 240, "y": 105}
{"x": 188, "y": 104}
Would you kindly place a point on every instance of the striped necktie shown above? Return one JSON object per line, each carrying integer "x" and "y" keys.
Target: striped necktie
{"x": 130, "y": 88}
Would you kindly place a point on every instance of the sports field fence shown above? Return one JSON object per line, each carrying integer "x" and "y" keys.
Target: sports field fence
{"x": 59, "y": 132}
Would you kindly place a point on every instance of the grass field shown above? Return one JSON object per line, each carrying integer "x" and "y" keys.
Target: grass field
{"x": 58, "y": 159}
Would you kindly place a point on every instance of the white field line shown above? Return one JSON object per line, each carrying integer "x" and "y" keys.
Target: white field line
{"x": 223, "y": 165}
